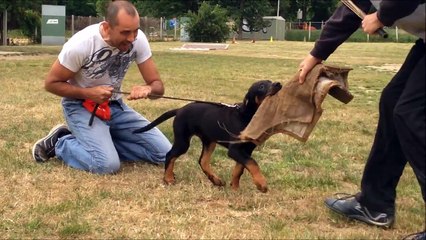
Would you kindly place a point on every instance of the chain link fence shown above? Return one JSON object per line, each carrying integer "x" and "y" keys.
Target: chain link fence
{"x": 161, "y": 29}
{"x": 156, "y": 29}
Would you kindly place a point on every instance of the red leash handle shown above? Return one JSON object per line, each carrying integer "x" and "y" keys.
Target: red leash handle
{"x": 100, "y": 110}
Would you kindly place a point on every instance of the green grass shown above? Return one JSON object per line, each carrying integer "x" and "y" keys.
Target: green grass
{"x": 53, "y": 201}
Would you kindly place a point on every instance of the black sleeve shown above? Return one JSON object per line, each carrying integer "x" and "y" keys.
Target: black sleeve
{"x": 391, "y": 10}
{"x": 338, "y": 28}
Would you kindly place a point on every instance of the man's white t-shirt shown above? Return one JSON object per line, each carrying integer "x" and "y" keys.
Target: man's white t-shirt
{"x": 97, "y": 63}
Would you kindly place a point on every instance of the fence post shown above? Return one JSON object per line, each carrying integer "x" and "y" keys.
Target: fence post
{"x": 35, "y": 34}
{"x": 174, "y": 37}
{"x": 368, "y": 37}
{"x": 146, "y": 24}
{"x": 72, "y": 25}
{"x": 284, "y": 29}
{"x": 396, "y": 34}
{"x": 161, "y": 28}
{"x": 5, "y": 27}
{"x": 309, "y": 31}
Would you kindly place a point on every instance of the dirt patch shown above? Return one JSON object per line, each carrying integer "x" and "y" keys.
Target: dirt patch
{"x": 387, "y": 68}
{"x": 22, "y": 56}
{"x": 4, "y": 53}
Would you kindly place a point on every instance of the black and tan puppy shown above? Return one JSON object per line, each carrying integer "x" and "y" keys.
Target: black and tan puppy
{"x": 217, "y": 123}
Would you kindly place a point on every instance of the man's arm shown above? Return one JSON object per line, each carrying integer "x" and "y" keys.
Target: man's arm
{"x": 56, "y": 83}
{"x": 154, "y": 85}
{"x": 391, "y": 10}
{"x": 338, "y": 28}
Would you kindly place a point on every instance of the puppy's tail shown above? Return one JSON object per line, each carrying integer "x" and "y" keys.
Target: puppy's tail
{"x": 160, "y": 119}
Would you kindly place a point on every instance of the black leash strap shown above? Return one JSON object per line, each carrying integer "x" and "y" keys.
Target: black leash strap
{"x": 93, "y": 114}
{"x": 173, "y": 98}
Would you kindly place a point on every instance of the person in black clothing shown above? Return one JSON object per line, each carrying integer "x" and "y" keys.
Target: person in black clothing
{"x": 400, "y": 136}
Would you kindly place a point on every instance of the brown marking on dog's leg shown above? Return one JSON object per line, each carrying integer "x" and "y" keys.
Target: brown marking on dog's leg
{"x": 236, "y": 175}
{"x": 204, "y": 162}
{"x": 169, "y": 176}
{"x": 258, "y": 179}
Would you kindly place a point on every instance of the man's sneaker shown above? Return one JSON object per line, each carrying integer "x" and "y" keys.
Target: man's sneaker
{"x": 416, "y": 236}
{"x": 349, "y": 207}
{"x": 44, "y": 148}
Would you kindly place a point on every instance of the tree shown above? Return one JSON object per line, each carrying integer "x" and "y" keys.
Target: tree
{"x": 252, "y": 13}
{"x": 248, "y": 12}
{"x": 209, "y": 24}
{"x": 322, "y": 9}
{"x": 18, "y": 11}
{"x": 31, "y": 25}
{"x": 167, "y": 8}
{"x": 26, "y": 14}
{"x": 313, "y": 10}
{"x": 79, "y": 7}
{"x": 101, "y": 6}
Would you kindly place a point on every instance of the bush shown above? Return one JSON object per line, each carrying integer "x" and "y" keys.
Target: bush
{"x": 31, "y": 22}
{"x": 209, "y": 24}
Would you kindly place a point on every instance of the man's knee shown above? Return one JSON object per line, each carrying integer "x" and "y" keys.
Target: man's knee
{"x": 158, "y": 158}
{"x": 106, "y": 166}
{"x": 404, "y": 115}
{"x": 410, "y": 125}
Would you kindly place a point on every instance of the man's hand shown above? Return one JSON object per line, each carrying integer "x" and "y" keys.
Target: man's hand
{"x": 139, "y": 92}
{"x": 306, "y": 66}
{"x": 370, "y": 23}
{"x": 99, "y": 94}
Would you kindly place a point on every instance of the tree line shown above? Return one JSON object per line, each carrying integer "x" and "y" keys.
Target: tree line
{"x": 26, "y": 14}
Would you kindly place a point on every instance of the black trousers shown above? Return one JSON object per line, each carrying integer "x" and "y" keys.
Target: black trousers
{"x": 400, "y": 136}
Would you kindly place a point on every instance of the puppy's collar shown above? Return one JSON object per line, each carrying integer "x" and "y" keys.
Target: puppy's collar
{"x": 230, "y": 105}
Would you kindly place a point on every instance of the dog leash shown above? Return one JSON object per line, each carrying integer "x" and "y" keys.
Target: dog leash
{"x": 173, "y": 98}
{"x": 92, "y": 117}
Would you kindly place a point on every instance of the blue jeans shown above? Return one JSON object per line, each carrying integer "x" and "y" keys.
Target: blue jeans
{"x": 100, "y": 147}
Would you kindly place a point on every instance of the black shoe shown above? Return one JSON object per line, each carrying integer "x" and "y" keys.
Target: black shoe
{"x": 44, "y": 148}
{"x": 349, "y": 207}
{"x": 416, "y": 236}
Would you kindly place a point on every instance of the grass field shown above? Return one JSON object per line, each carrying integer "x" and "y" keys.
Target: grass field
{"x": 50, "y": 201}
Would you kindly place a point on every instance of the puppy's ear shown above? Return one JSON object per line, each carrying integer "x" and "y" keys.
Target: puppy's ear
{"x": 247, "y": 98}
{"x": 250, "y": 100}
{"x": 245, "y": 102}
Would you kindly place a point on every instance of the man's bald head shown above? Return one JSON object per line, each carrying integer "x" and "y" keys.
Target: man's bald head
{"x": 114, "y": 8}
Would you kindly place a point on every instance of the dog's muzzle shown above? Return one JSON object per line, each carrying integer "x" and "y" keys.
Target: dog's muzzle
{"x": 275, "y": 87}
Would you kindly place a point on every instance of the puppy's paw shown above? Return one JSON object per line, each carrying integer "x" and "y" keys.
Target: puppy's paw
{"x": 262, "y": 188}
{"x": 217, "y": 181}
{"x": 235, "y": 186}
{"x": 169, "y": 181}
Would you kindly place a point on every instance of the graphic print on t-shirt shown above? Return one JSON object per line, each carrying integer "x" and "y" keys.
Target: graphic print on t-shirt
{"x": 104, "y": 61}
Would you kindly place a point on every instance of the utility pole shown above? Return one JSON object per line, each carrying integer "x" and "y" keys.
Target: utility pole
{"x": 278, "y": 8}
